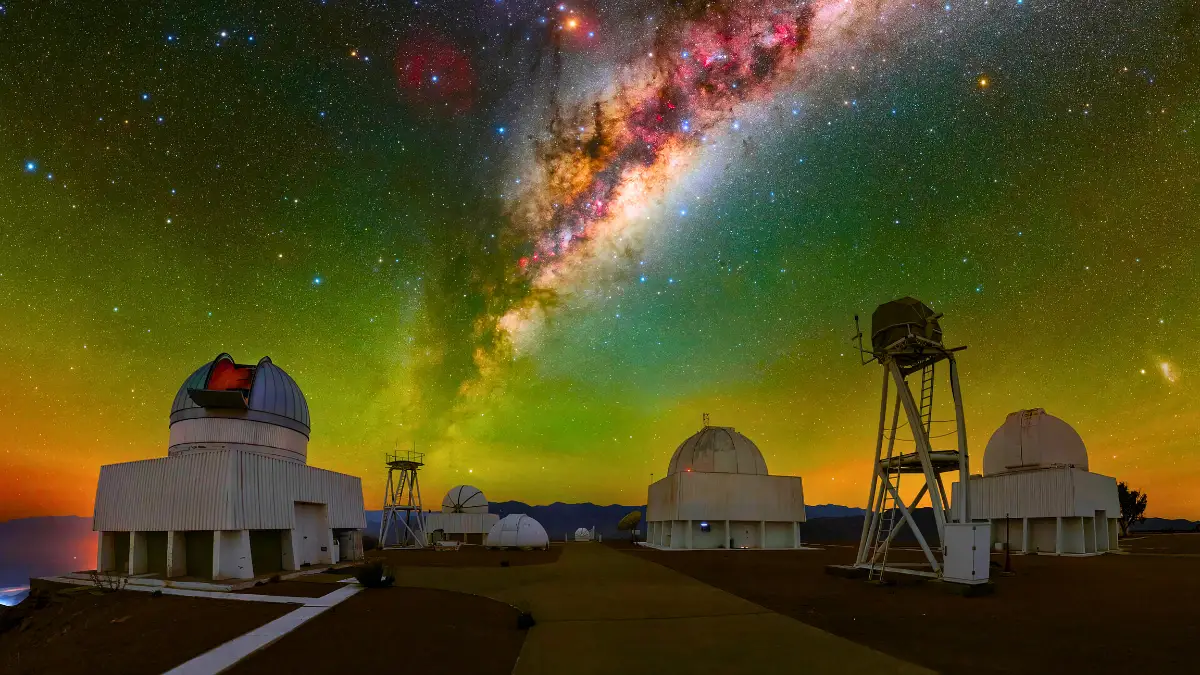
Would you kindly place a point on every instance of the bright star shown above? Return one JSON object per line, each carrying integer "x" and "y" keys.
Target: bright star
{"x": 31, "y": 166}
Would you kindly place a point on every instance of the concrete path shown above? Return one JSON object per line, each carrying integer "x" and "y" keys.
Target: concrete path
{"x": 601, "y": 611}
{"x": 223, "y": 657}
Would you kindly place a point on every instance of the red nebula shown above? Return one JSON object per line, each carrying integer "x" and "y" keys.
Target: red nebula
{"x": 433, "y": 72}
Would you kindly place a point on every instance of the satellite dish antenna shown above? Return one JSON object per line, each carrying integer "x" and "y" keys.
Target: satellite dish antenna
{"x": 906, "y": 339}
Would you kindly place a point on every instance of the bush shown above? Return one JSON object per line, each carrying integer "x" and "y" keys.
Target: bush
{"x": 108, "y": 582}
{"x": 374, "y": 575}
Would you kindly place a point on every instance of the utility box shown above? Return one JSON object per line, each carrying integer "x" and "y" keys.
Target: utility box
{"x": 968, "y": 553}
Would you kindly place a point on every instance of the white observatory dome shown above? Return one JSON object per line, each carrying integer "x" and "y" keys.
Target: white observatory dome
{"x": 464, "y": 499}
{"x": 226, "y": 405}
{"x": 718, "y": 450}
{"x": 518, "y": 530}
{"x": 1031, "y": 439}
{"x": 583, "y": 534}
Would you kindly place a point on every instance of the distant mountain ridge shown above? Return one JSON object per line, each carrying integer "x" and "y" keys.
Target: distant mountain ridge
{"x": 561, "y": 519}
{"x": 1166, "y": 525}
{"x": 42, "y": 546}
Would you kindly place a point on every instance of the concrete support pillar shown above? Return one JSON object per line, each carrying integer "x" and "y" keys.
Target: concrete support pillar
{"x": 762, "y": 534}
{"x": 176, "y": 554}
{"x": 231, "y": 555}
{"x": 688, "y": 537}
{"x": 1058, "y": 536}
{"x": 795, "y": 535}
{"x": 1025, "y": 535}
{"x": 326, "y": 557}
{"x": 106, "y": 552}
{"x": 216, "y": 556}
{"x": 728, "y": 537}
{"x": 137, "y": 553}
{"x": 290, "y": 552}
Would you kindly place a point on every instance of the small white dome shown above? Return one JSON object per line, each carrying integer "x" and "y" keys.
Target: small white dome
{"x": 718, "y": 450}
{"x": 583, "y": 534}
{"x": 464, "y": 499}
{"x": 1031, "y": 439}
{"x": 518, "y": 530}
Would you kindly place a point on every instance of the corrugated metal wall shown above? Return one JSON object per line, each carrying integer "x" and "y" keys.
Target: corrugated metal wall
{"x": 460, "y": 523}
{"x": 189, "y": 492}
{"x": 220, "y": 490}
{"x": 698, "y": 495}
{"x": 287, "y": 442}
{"x": 1041, "y": 493}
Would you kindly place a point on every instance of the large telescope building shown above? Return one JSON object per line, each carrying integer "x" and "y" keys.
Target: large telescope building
{"x": 234, "y": 497}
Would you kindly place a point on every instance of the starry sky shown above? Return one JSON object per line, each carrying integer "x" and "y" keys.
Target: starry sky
{"x": 540, "y": 240}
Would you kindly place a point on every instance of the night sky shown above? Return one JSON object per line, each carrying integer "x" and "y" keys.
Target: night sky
{"x": 540, "y": 241}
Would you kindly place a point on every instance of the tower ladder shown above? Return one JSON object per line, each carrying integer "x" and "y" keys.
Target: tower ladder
{"x": 927, "y": 398}
{"x": 887, "y": 516}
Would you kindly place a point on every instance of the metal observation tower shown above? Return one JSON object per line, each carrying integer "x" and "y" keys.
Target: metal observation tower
{"x": 402, "y": 501}
{"x": 906, "y": 340}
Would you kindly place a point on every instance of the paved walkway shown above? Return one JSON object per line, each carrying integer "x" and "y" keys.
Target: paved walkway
{"x": 223, "y": 657}
{"x": 601, "y": 611}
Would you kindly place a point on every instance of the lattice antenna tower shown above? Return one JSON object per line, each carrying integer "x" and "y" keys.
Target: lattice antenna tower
{"x": 402, "y": 500}
{"x": 906, "y": 339}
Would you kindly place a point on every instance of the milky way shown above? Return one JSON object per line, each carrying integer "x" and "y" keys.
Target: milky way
{"x": 602, "y": 164}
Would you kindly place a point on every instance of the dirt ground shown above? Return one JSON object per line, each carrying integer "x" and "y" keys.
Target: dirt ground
{"x": 1096, "y": 615}
{"x": 414, "y": 630}
{"x": 467, "y": 556}
{"x": 1175, "y": 543}
{"x": 129, "y": 632}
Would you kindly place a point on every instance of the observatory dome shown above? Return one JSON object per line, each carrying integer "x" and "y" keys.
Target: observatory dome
{"x": 224, "y": 404}
{"x": 1031, "y": 439}
{"x": 464, "y": 499}
{"x": 518, "y": 530}
{"x": 898, "y": 319}
{"x": 718, "y": 450}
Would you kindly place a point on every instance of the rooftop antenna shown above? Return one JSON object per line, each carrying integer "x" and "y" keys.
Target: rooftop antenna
{"x": 402, "y": 500}
{"x": 906, "y": 339}
{"x": 705, "y": 420}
